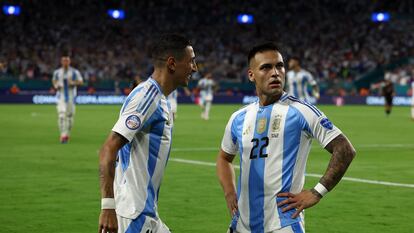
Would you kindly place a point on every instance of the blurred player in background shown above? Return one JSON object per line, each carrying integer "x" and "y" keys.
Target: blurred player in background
{"x": 172, "y": 99}
{"x": 273, "y": 137}
{"x": 66, "y": 80}
{"x": 388, "y": 93}
{"x": 207, "y": 87}
{"x": 298, "y": 80}
{"x": 134, "y": 156}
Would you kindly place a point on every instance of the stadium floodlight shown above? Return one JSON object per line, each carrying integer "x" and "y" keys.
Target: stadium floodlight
{"x": 116, "y": 13}
{"x": 245, "y": 19}
{"x": 11, "y": 10}
{"x": 379, "y": 17}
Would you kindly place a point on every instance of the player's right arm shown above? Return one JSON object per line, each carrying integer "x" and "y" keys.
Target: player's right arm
{"x": 107, "y": 157}
{"x": 226, "y": 176}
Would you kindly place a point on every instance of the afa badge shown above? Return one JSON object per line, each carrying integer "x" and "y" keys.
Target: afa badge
{"x": 326, "y": 123}
{"x": 276, "y": 123}
{"x": 133, "y": 122}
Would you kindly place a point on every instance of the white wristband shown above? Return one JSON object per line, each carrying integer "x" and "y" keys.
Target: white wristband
{"x": 107, "y": 203}
{"x": 321, "y": 189}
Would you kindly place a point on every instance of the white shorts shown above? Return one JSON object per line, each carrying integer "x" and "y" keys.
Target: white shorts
{"x": 142, "y": 224}
{"x": 66, "y": 108}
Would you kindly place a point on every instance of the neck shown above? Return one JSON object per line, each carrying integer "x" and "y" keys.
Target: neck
{"x": 164, "y": 80}
{"x": 297, "y": 69}
{"x": 265, "y": 100}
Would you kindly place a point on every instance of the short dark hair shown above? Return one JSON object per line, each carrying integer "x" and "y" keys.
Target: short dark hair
{"x": 266, "y": 46}
{"x": 296, "y": 58}
{"x": 168, "y": 45}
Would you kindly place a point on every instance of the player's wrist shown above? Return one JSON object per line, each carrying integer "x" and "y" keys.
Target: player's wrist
{"x": 107, "y": 203}
{"x": 320, "y": 190}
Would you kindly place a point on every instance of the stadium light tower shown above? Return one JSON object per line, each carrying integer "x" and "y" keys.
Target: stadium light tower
{"x": 11, "y": 10}
{"x": 116, "y": 14}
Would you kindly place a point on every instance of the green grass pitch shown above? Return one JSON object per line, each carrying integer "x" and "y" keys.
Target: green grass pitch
{"x": 49, "y": 187}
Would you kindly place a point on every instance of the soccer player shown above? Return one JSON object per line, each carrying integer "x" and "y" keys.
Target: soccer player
{"x": 298, "y": 80}
{"x": 207, "y": 87}
{"x": 66, "y": 80}
{"x": 388, "y": 93}
{"x": 273, "y": 138}
{"x": 134, "y": 156}
{"x": 172, "y": 99}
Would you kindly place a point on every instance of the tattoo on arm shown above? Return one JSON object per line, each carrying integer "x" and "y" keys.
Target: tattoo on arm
{"x": 342, "y": 155}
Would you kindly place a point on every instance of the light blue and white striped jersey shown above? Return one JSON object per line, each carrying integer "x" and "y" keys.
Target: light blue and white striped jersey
{"x": 273, "y": 143}
{"x": 65, "y": 93}
{"x": 172, "y": 99}
{"x": 206, "y": 89}
{"x": 298, "y": 83}
{"x": 146, "y": 122}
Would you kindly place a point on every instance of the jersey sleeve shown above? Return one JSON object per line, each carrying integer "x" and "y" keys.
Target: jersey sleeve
{"x": 78, "y": 76}
{"x": 320, "y": 127}
{"x": 229, "y": 141}
{"x": 55, "y": 76}
{"x": 311, "y": 79}
{"x": 137, "y": 109}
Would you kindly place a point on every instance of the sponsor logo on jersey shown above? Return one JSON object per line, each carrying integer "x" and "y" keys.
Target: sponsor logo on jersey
{"x": 326, "y": 123}
{"x": 133, "y": 122}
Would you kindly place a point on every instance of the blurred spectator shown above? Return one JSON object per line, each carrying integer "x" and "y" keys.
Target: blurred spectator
{"x": 14, "y": 89}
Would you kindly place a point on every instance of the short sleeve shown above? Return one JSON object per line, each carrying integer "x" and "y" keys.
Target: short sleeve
{"x": 229, "y": 141}
{"x": 137, "y": 109}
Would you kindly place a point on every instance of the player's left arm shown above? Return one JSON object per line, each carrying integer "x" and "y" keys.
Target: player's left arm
{"x": 78, "y": 81}
{"x": 342, "y": 155}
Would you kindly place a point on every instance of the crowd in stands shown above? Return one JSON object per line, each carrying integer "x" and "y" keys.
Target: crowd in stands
{"x": 335, "y": 39}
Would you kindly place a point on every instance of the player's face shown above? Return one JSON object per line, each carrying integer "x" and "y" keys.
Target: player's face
{"x": 267, "y": 71}
{"x": 65, "y": 62}
{"x": 292, "y": 64}
{"x": 186, "y": 67}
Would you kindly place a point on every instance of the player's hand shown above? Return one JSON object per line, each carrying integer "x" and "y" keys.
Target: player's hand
{"x": 108, "y": 222}
{"x": 300, "y": 201}
{"x": 231, "y": 200}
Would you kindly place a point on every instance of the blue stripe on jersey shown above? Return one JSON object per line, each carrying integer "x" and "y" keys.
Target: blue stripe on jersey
{"x": 130, "y": 96}
{"x": 155, "y": 135}
{"x": 149, "y": 104}
{"x": 74, "y": 76}
{"x": 313, "y": 108}
{"x": 256, "y": 175}
{"x": 150, "y": 96}
{"x": 295, "y": 89}
{"x": 237, "y": 133}
{"x": 297, "y": 228}
{"x": 284, "y": 96}
{"x": 304, "y": 87}
{"x": 293, "y": 128}
{"x": 124, "y": 154}
{"x": 155, "y": 83}
{"x": 66, "y": 90}
{"x": 146, "y": 98}
{"x": 136, "y": 224}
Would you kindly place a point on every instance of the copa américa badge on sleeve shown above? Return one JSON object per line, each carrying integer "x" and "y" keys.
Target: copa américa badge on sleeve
{"x": 133, "y": 122}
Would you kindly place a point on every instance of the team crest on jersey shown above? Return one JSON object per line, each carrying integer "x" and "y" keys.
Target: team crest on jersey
{"x": 326, "y": 123}
{"x": 133, "y": 122}
{"x": 261, "y": 125}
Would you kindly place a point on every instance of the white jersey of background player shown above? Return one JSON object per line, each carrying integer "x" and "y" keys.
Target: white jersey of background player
{"x": 66, "y": 80}
{"x": 172, "y": 99}
{"x": 207, "y": 86}
{"x": 298, "y": 80}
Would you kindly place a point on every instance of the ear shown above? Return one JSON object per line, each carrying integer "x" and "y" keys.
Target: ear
{"x": 251, "y": 75}
{"x": 171, "y": 64}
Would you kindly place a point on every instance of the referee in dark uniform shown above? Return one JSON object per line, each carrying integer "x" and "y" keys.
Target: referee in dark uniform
{"x": 388, "y": 93}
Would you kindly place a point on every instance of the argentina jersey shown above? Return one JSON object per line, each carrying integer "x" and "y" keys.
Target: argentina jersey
{"x": 273, "y": 143}
{"x": 146, "y": 122}
{"x": 206, "y": 89}
{"x": 298, "y": 83}
{"x": 65, "y": 92}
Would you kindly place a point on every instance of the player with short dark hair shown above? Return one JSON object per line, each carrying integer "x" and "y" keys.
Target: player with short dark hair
{"x": 135, "y": 154}
{"x": 273, "y": 138}
{"x": 298, "y": 80}
{"x": 65, "y": 80}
